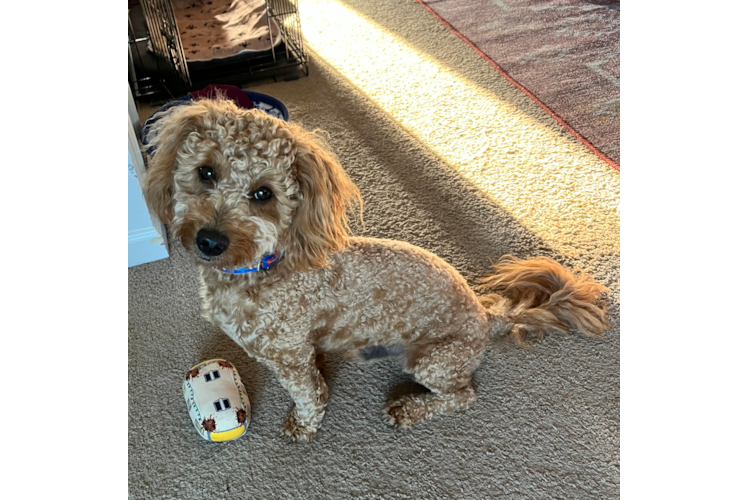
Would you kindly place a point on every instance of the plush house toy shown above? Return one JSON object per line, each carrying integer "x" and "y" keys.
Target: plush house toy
{"x": 216, "y": 400}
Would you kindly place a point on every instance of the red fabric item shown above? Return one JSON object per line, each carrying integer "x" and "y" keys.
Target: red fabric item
{"x": 229, "y": 91}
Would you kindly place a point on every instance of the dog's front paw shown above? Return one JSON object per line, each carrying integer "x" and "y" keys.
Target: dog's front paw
{"x": 298, "y": 432}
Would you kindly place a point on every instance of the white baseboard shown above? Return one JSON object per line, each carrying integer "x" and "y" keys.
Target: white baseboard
{"x": 145, "y": 245}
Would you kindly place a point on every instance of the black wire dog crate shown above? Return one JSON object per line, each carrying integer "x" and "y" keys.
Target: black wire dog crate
{"x": 176, "y": 46}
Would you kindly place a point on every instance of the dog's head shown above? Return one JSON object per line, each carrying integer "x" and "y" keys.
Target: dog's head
{"x": 236, "y": 185}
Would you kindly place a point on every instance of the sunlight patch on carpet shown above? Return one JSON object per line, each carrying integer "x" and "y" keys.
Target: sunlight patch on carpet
{"x": 536, "y": 171}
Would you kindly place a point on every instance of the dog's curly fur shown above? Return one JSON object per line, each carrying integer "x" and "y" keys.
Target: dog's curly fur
{"x": 331, "y": 291}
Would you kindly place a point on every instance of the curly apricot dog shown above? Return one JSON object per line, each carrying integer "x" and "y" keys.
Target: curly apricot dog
{"x": 262, "y": 203}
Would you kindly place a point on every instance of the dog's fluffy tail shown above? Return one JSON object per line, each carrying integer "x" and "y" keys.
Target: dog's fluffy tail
{"x": 528, "y": 298}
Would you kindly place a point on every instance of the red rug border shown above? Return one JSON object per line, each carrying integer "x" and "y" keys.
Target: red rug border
{"x": 511, "y": 80}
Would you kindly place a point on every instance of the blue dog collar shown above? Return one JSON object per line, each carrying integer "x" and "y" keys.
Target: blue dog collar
{"x": 266, "y": 263}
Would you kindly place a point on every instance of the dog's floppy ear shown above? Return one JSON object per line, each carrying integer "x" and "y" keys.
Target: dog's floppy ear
{"x": 320, "y": 225}
{"x": 166, "y": 136}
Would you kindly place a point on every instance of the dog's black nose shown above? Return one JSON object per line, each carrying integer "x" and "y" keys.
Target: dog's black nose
{"x": 211, "y": 242}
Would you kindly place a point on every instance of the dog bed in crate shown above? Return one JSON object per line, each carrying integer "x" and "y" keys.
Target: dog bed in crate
{"x": 263, "y": 102}
{"x": 212, "y": 30}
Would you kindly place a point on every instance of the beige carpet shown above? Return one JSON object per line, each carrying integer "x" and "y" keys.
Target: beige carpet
{"x": 450, "y": 157}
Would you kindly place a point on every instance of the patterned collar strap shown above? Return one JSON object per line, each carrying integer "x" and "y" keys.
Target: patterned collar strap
{"x": 266, "y": 263}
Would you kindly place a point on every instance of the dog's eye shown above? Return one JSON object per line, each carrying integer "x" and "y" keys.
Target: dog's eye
{"x": 262, "y": 194}
{"x": 207, "y": 174}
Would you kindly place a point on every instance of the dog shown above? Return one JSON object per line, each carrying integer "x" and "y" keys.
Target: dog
{"x": 263, "y": 204}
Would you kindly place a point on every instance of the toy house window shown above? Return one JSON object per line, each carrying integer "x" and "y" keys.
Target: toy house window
{"x": 218, "y": 407}
{"x": 212, "y": 375}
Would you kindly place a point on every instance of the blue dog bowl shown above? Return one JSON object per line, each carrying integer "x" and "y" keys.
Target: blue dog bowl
{"x": 263, "y": 102}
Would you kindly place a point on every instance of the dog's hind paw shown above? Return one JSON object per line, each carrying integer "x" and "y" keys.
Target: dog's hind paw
{"x": 406, "y": 411}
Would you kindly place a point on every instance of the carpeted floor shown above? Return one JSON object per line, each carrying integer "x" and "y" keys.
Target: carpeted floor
{"x": 546, "y": 424}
